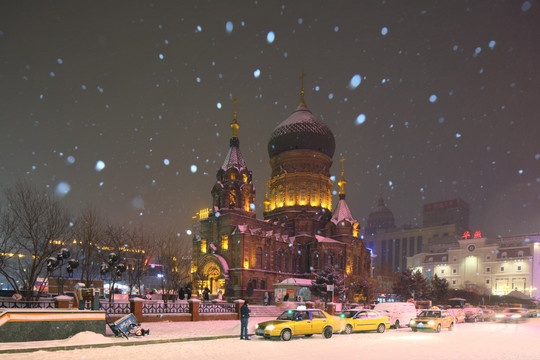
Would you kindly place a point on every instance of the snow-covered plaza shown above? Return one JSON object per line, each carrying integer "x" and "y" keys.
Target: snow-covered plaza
{"x": 182, "y": 340}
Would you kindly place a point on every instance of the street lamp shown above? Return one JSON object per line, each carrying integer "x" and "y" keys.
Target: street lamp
{"x": 113, "y": 269}
{"x": 56, "y": 262}
{"x": 531, "y": 289}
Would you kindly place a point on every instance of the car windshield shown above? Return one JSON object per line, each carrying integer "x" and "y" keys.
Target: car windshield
{"x": 288, "y": 315}
{"x": 433, "y": 314}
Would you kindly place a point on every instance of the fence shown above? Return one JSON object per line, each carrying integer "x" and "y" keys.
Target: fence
{"x": 144, "y": 310}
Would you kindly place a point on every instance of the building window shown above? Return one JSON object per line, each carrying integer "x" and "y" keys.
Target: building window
{"x": 454, "y": 271}
{"x": 442, "y": 271}
{"x": 453, "y": 282}
{"x": 519, "y": 268}
{"x": 203, "y": 246}
{"x": 455, "y": 259}
{"x": 488, "y": 257}
{"x": 224, "y": 242}
{"x": 488, "y": 269}
{"x": 502, "y": 268}
{"x": 258, "y": 259}
{"x": 263, "y": 284}
{"x": 487, "y": 281}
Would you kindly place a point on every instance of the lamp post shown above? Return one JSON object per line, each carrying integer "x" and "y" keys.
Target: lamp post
{"x": 56, "y": 262}
{"x": 531, "y": 289}
{"x": 114, "y": 270}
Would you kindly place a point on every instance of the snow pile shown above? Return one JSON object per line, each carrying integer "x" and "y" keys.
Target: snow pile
{"x": 87, "y": 337}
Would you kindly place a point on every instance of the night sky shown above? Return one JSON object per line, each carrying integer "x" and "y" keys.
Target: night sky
{"x": 126, "y": 105}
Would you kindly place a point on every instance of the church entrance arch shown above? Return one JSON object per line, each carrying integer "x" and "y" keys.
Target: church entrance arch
{"x": 212, "y": 273}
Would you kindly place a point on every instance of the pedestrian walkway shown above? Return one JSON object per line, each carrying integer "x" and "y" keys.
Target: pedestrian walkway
{"x": 160, "y": 332}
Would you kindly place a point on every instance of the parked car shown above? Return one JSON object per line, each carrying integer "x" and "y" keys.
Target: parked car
{"x": 400, "y": 313}
{"x": 458, "y": 314}
{"x": 363, "y": 320}
{"x": 473, "y": 314}
{"x": 299, "y": 322}
{"x": 512, "y": 315}
{"x": 434, "y": 320}
{"x": 532, "y": 313}
{"x": 488, "y": 315}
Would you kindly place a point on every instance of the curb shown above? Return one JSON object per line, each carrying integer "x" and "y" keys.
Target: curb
{"x": 105, "y": 345}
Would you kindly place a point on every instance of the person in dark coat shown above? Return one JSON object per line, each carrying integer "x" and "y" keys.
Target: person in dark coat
{"x": 206, "y": 293}
{"x": 188, "y": 292}
{"x": 181, "y": 294}
{"x": 244, "y": 318}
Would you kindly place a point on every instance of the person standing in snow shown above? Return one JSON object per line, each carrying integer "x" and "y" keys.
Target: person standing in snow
{"x": 244, "y": 318}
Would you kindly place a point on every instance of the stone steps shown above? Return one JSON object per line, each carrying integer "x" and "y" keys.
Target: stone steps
{"x": 265, "y": 311}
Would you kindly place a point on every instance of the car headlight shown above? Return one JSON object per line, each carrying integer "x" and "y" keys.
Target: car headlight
{"x": 516, "y": 316}
{"x": 270, "y": 327}
{"x": 499, "y": 316}
{"x": 412, "y": 322}
{"x": 431, "y": 322}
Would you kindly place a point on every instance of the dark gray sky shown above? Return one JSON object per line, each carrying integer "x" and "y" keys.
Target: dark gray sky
{"x": 446, "y": 106}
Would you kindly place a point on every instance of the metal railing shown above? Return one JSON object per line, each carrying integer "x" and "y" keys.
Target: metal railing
{"x": 116, "y": 307}
{"x": 207, "y": 308}
{"x": 25, "y": 304}
{"x": 151, "y": 307}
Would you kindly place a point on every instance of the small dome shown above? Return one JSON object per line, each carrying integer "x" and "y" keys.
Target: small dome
{"x": 302, "y": 130}
{"x": 382, "y": 217}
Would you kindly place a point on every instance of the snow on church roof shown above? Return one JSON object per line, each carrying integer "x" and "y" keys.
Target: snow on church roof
{"x": 325, "y": 239}
{"x": 342, "y": 212}
{"x": 295, "y": 281}
{"x": 234, "y": 157}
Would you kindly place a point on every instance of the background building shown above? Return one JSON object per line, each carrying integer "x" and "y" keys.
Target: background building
{"x": 496, "y": 266}
{"x": 444, "y": 223}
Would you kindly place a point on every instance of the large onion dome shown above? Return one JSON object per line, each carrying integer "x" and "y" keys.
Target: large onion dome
{"x": 302, "y": 130}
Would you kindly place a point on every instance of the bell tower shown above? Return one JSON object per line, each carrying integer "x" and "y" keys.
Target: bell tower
{"x": 234, "y": 188}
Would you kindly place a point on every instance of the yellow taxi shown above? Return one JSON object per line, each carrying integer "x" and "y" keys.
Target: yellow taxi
{"x": 299, "y": 322}
{"x": 434, "y": 319}
{"x": 363, "y": 320}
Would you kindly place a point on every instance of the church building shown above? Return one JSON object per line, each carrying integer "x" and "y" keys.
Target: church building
{"x": 245, "y": 256}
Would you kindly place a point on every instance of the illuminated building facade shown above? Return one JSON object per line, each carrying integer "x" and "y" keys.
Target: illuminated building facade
{"x": 486, "y": 266}
{"x": 244, "y": 256}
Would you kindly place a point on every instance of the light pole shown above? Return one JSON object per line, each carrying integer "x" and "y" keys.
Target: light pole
{"x": 114, "y": 270}
{"x": 55, "y": 263}
{"x": 531, "y": 289}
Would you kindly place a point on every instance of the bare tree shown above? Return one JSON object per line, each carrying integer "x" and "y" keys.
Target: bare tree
{"x": 89, "y": 231}
{"x": 174, "y": 255}
{"x": 35, "y": 227}
{"x": 141, "y": 246}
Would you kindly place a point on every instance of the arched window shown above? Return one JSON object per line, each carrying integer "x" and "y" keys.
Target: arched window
{"x": 258, "y": 259}
{"x": 303, "y": 195}
{"x": 281, "y": 197}
{"x": 263, "y": 284}
{"x": 290, "y": 194}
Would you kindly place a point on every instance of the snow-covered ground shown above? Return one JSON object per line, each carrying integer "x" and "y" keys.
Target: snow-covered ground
{"x": 492, "y": 341}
